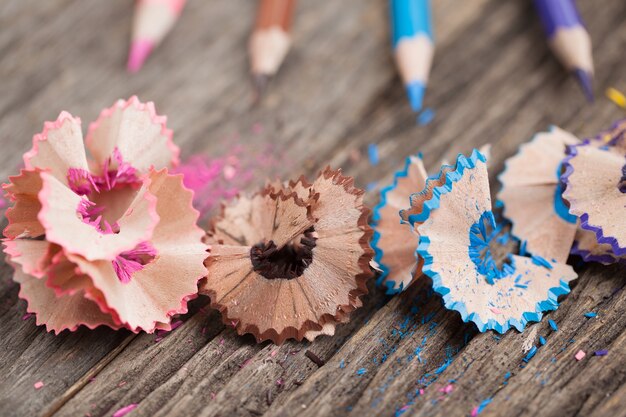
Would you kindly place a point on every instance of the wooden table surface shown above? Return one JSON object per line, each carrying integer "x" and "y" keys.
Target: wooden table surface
{"x": 493, "y": 80}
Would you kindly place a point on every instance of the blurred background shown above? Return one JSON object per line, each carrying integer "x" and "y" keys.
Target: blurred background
{"x": 493, "y": 78}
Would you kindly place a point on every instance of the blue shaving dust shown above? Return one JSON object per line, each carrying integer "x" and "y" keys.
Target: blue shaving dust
{"x": 538, "y": 260}
{"x": 426, "y": 116}
{"x": 531, "y": 353}
{"x": 372, "y": 153}
{"x": 553, "y": 325}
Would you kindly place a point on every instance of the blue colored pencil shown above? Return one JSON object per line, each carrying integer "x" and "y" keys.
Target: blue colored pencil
{"x": 568, "y": 39}
{"x": 412, "y": 35}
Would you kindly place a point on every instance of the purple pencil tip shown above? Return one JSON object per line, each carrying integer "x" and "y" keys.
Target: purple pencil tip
{"x": 585, "y": 80}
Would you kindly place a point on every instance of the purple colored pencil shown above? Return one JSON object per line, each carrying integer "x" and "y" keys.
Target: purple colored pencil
{"x": 568, "y": 39}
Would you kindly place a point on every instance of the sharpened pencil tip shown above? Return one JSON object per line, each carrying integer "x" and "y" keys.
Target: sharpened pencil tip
{"x": 586, "y": 82}
{"x": 260, "y": 85}
{"x": 416, "y": 91}
{"x": 139, "y": 52}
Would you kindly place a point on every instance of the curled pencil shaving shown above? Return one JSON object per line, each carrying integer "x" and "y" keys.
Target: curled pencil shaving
{"x": 292, "y": 260}
{"x": 595, "y": 181}
{"x": 96, "y": 241}
{"x": 394, "y": 255}
{"x": 456, "y": 242}
{"x": 531, "y": 195}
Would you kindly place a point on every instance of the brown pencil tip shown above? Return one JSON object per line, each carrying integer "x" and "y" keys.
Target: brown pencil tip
{"x": 260, "y": 85}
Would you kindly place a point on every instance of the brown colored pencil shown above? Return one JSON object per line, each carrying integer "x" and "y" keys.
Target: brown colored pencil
{"x": 270, "y": 40}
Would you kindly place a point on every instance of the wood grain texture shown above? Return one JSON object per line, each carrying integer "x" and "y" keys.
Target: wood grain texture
{"x": 493, "y": 80}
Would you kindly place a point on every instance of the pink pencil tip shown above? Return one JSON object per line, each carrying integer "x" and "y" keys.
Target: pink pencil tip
{"x": 139, "y": 52}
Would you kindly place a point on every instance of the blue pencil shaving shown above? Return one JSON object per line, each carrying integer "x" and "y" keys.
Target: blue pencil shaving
{"x": 361, "y": 371}
{"x": 481, "y": 407}
{"x": 428, "y": 317}
{"x": 538, "y": 260}
{"x": 522, "y": 249}
{"x": 532, "y": 352}
{"x": 503, "y": 239}
{"x": 342, "y": 364}
{"x": 372, "y": 153}
{"x": 553, "y": 325}
{"x": 590, "y": 315}
{"x": 602, "y": 352}
{"x": 426, "y": 116}
{"x": 401, "y": 411}
{"x": 542, "y": 340}
{"x": 506, "y": 378}
{"x": 443, "y": 367}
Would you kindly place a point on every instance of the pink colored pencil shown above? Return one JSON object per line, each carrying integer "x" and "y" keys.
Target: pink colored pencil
{"x": 152, "y": 21}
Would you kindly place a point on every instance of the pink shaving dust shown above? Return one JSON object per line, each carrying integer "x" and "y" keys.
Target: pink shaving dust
{"x": 205, "y": 177}
{"x": 257, "y": 128}
{"x": 217, "y": 179}
{"x": 125, "y": 410}
{"x": 129, "y": 262}
{"x": 447, "y": 389}
{"x": 38, "y": 384}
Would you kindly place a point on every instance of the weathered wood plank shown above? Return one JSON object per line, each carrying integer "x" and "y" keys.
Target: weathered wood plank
{"x": 29, "y": 355}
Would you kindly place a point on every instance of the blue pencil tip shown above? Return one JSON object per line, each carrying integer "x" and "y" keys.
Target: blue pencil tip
{"x": 585, "y": 80}
{"x": 415, "y": 91}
